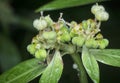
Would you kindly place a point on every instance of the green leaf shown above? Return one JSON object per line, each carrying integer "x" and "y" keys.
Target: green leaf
{"x": 23, "y": 73}
{"x": 90, "y": 65}
{"x": 9, "y": 54}
{"x": 59, "y": 4}
{"x": 107, "y": 56}
{"x": 54, "y": 70}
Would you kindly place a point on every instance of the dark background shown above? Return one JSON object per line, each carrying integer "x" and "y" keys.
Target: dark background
{"x": 16, "y": 18}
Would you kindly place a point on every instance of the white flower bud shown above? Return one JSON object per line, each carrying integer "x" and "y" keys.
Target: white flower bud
{"x": 40, "y": 24}
{"x": 96, "y": 8}
{"x": 102, "y": 16}
{"x": 35, "y": 22}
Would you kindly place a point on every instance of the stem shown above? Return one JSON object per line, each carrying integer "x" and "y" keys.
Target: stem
{"x": 82, "y": 72}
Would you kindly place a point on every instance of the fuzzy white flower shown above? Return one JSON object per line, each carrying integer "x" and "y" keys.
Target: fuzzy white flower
{"x": 96, "y": 8}
{"x": 39, "y": 24}
{"x": 102, "y": 16}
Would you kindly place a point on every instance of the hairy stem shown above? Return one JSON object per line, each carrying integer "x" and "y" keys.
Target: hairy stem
{"x": 82, "y": 73}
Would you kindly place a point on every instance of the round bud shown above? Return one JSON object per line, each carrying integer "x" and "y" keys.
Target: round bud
{"x": 79, "y": 41}
{"x": 91, "y": 43}
{"x": 49, "y": 20}
{"x": 73, "y": 24}
{"x": 94, "y": 44}
{"x": 99, "y": 36}
{"x": 106, "y": 42}
{"x": 65, "y": 37}
{"x": 40, "y": 24}
{"x": 96, "y": 8}
{"x": 64, "y": 29}
{"x": 103, "y": 43}
{"x": 73, "y": 33}
{"x": 49, "y": 35}
{"x": 91, "y": 24}
{"x": 84, "y": 25}
{"x": 41, "y": 54}
{"x": 102, "y": 16}
{"x": 35, "y": 40}
{"x": 31, "y": 48}
{"x": 35, "y": 23}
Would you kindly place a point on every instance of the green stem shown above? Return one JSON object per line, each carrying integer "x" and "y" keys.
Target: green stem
{"x": 82, "y": 73}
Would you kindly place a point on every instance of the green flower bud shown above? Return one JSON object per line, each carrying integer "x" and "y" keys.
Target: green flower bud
{"x": 73, "y": 24}
{"x": 99, "y": 36}
{"x": 31, "y": 48}
{"x": 106, "y": 42}
{"x": 65, "y": 37}
{"x": 95, "y": 44}
{"x": 103, "y": 43}
{"x": 35, "y": 40}
{"x": 73, "y": 33}
{"x": 49, "y": 20}
{"x": 79, "y": 41}
{"x": 39, "y": 24}
{"x": 49, "y": 35}
{"x": 91, "y": 43}
{"x": 96, "y": 8}
{"x": 84, "y": 25}
{"x": 91, "y": 24}
{"x": 102, "y": 16}
{"x": 64, "y": 29}
{"x": 41, "y": 54}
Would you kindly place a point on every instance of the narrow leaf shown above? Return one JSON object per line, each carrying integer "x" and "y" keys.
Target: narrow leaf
{"x": 107, "y": 56}
{"x": 59, "y": 4}
{"x": 9, "y": 54}
{"x": 53, "y": 72}
{"x": 90, "y": 65}
{"x": 23, "y": 73}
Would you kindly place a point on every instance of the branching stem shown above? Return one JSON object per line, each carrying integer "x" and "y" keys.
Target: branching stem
{"x": 82, "y": 73}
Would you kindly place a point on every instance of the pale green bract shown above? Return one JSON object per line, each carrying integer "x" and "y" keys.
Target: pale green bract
{"x": 54, "y": 70}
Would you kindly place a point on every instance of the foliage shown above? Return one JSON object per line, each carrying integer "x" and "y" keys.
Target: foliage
{"x": 49, "y": 57}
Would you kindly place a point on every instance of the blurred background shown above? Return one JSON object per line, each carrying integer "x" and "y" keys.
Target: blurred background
{"x": 16, "y": 32}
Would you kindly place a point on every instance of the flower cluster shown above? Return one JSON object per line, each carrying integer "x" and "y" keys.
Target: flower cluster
{"x": 68, "y": 37}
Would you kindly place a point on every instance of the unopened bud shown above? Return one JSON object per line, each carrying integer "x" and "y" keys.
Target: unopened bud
{"x": 49, "y": 20}
{"x": 103, "y": 43}
{"x": 31, "y": 48}
{"x": 79, "y": 41}
{"x": 91, "y": 43}
{"x": 65, "y": 37}
{"x": 96, "y": 8}
{"x": 102, "y": 16}
{"x": 49, "y": 35}
{"x": 40, "y": 24}
{"x": 41, "y": 54}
